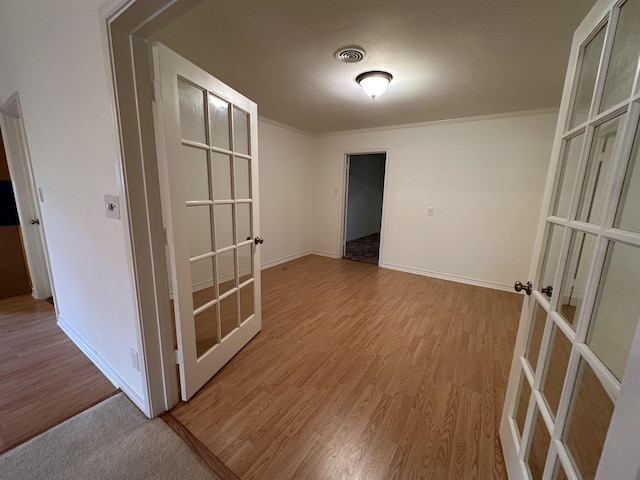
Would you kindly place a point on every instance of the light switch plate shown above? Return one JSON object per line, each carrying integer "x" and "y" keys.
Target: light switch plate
{"x": 112, "y": 206}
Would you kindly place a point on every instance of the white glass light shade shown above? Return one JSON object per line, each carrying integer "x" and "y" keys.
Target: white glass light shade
{"x": 374, "y": 83}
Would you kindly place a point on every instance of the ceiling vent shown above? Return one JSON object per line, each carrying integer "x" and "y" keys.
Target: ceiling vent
{"x": 350, "y": 55}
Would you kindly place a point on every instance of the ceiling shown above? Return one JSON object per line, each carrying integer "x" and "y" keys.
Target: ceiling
{"x": 449, "y": 58}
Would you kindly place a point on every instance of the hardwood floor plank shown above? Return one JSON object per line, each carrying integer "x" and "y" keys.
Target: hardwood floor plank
{"x": 361, "y": 372}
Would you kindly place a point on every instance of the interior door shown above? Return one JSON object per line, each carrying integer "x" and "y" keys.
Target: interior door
{"x": 572, "y": 397}
{"x": 208, "y": 166}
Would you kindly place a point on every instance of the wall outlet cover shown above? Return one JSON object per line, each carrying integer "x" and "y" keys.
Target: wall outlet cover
{"x": 135, "y": 361}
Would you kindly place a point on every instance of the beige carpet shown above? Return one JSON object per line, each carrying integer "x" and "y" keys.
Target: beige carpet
{"x": 112, "y": 440}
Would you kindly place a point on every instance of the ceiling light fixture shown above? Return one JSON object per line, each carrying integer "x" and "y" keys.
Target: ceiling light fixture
{"x": 374, "y": 83}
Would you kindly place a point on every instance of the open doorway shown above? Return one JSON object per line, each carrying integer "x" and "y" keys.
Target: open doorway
{"x": 14, "y": 275}
{"x": 28, "y": 255}
{"x": 363, "y": 207}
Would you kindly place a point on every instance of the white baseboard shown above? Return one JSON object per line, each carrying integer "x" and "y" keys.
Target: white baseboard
{"x": 288, "y": 258}
{"x": 451, "y": 278}
{"x": 322, "y": 253}
{"x": 102, "y": 365}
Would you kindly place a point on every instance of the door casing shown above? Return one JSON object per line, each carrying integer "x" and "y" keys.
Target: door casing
{"x": 342, "y": 231}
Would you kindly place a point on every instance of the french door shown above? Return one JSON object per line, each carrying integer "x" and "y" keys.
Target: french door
{"x": 572, "y": 408}
{"x": 208, "y": 168}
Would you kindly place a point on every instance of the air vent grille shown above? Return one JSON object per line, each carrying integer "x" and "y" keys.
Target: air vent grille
{"x": 350, "y": 55}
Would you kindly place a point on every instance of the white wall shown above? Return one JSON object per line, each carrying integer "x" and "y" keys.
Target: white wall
{"x": 484, "y": 177}
{"x": 52, "y": 54}
{"x": 364, "y": 206}
{"x": 286, "y": 183}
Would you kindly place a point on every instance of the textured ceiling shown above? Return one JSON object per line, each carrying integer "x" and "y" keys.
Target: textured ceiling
{"x": 449, "y": 58}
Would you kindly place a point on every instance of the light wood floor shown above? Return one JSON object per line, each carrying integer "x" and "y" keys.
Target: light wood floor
{"x": 361, "y": 372}
{"x": 44, "y": 378}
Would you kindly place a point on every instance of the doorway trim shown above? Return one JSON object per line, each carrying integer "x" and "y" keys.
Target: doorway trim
{"x": 126, "y": 26}
{"x": 27, "y": 201}
{"x": 342, "y": 231}
{"x": 124, "y": 23}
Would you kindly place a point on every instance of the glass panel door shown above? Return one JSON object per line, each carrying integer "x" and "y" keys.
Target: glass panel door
{"x": 208, "y": 166}
{"x": 579, "y": 324}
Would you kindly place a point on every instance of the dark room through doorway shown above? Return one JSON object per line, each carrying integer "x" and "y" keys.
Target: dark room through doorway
{"x": 363, "y": 207}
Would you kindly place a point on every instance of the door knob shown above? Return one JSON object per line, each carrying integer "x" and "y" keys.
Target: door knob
{"x": 519, "y": 286}
{"x": 258, "y": 240}
{"x": 35, "y": 221}
{"x": 548, "y": 291}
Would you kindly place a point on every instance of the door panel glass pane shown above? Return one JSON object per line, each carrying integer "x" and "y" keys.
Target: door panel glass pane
{"x": 540, "y": 442}
{"x": 219, "y": 121}
{"x": 202, "y": 282}
{"x": 574, "y": 279}
{"x": 221, "y": 176}
{"x": 535, "y": 335}
{"x": 624, "y": 57}
{"x": 196, "y": 171}
{"x": 243, "y": 178}
{"x": 229, "y": 314}
{"x": 587, "y": 79}
{"x": 206, "y": 326}
{"x": 552, "y": 254}
{"x": 245, "y": 262}
{"x": 246, "y": 302}
{"x": 559, "y": 474}
{"x": 523, "y": 403}
{"x": 567, "y": 177}
{"x": 244, "y": 222}
{"x": 588, "y": 424}
{"x": 224, "y": 226}
{"x": 240, "y": 131}
{"x": 617, "y": 308}
{"x": 199, "y": 225}
{"x": 592, "y": 195}
{"x": 627, "y": 217}
{"x": 192, "y": 123}
{"x": 226, "y": 271}
{"x": 556, "y": 369}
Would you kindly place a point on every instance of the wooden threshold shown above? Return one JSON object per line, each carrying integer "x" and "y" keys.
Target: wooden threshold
{"x": 199, "y": 448}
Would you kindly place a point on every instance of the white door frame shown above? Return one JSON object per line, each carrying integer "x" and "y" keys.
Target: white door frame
{"x": 342, "y": 231}
{"x": 21, "y": 172}
{"x": 129, "y": 55}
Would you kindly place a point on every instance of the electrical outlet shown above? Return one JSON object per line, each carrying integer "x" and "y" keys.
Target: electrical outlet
{"x": 429, "y": 211}
{"x": 135, "y": 361}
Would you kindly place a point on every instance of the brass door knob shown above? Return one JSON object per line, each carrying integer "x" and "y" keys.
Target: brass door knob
{"x": 519, "y": 286}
